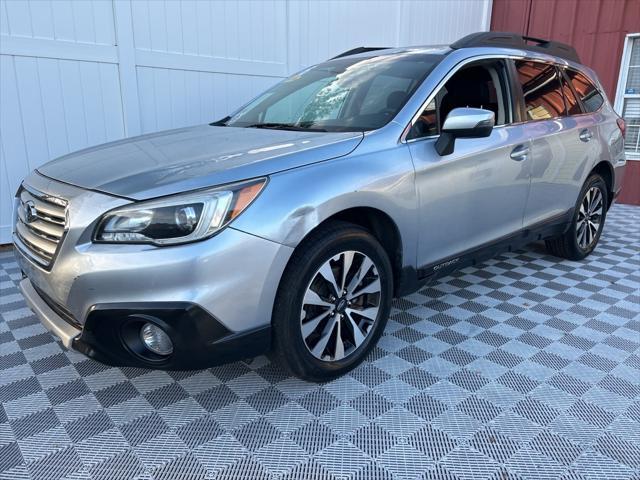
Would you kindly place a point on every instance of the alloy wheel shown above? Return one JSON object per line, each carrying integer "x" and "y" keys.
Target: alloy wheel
{"x": 589, "y": 218}
{"x": 340, "y": 306}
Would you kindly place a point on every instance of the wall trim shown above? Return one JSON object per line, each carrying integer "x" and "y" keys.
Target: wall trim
{"x": 622, "y": 74}
{"x": 57, "y": 49}
{"x": 486, "y": 15}
{"x": 198, "y": 63}
{"x": 127, "y": 67}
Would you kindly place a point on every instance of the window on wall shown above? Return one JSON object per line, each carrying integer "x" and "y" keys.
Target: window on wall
{"x": 541, "y": 88}
{"x": 628, "y": 103}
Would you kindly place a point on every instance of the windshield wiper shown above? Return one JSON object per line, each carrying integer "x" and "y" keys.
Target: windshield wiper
{"x": 285, "y": 126}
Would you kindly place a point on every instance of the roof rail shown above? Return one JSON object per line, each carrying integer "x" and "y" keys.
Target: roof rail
{"x": 355, "y": 51}
{"x": 515, "y": 40}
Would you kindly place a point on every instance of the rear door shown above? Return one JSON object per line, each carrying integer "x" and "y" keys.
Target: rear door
{"x": 563, "y": 146}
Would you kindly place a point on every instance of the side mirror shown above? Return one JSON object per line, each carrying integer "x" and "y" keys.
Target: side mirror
{"x": 464, "y": 123}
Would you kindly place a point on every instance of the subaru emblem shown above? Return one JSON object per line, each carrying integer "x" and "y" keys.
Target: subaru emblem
{"x": 30, "y": 212}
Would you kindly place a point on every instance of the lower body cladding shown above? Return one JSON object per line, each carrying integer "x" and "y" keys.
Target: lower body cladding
{"x": 184, "y": 307}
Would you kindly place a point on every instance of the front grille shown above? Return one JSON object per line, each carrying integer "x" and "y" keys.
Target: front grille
{"x": 41, "y": 221}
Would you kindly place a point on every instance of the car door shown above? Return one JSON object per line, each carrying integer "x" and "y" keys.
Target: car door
{"x": 475, "y": 196}
{"x": 562, "y": 150}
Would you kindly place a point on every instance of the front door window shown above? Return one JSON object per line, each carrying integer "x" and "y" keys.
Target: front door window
{"x": 478, "y": 85}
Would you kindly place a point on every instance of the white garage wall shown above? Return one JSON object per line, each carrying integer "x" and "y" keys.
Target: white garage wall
{"x": 76, "y": 73}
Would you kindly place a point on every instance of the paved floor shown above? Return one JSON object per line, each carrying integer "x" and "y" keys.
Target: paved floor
{"x": 527, "y": 367}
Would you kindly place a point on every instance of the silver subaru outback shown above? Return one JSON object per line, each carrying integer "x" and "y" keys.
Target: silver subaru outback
{"x": 290, "y": 225}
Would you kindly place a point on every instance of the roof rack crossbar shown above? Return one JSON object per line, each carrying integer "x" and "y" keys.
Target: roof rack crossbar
{"x": 355, "y": 51}
{"x": 515, "y": 40}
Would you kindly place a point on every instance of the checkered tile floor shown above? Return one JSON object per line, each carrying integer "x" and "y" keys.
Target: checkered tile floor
{"x": 527, "y": 367}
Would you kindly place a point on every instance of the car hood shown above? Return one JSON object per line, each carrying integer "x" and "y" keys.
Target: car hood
{"x": 196, "y": 157}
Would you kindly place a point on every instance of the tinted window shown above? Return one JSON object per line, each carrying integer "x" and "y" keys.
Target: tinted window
{"x": 477, "y": 85}
{"x": 573, "y": 106}
{"x": 588, "y": 93}
{"x": 541, "y": 89}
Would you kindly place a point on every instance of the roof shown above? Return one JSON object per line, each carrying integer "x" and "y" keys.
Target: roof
{"x": 502, "y": 40}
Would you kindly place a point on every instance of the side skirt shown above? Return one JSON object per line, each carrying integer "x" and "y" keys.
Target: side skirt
{"x": 427, "y": 274}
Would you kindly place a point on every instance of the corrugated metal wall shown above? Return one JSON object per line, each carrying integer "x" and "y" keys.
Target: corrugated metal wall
{"x": 76, "y": 73}
{"x": 596, "y": 28}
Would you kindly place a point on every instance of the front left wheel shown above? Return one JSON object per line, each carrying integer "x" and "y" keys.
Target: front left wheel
{"x": 332, "y": 303}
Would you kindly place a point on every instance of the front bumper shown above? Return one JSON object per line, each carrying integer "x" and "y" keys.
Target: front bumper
{"x": 111, "y": 334}
{"x": 232, "y": 278}
{"x": 53, "y": 322}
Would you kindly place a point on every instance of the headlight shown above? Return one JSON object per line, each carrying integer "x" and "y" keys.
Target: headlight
{"x": 179, "y": 218}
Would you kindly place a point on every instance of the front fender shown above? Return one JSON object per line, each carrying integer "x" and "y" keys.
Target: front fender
{"x": 297, "y": 201}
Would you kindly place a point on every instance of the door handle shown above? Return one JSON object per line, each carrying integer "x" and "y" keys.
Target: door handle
{"x": 586, "y": 135}
{"x": 520, "y": 153}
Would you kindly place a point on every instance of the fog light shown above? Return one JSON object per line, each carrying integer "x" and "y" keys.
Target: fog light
{"x": 155, "y": 339}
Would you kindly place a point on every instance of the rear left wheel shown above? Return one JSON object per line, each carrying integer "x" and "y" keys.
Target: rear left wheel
{"x": 588, "y": 221}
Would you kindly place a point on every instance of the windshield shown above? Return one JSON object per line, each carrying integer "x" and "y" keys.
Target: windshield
{"x": 346, "y": 94}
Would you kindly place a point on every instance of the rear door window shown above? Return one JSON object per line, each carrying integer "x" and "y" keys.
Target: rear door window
{"x": 541, "y": 89}
{"x": 591, "y": 98}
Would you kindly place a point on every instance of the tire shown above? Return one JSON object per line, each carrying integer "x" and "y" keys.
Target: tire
{"x": 582, "y": 236}
{"x": 308, "y": 319}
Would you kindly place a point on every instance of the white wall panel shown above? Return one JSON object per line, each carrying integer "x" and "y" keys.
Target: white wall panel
{"x": 172, "y": 98}
{"x": 76, "y": 73}
{"x": 85, "y": 21}
{"x": 57, "y": 106}
{"x": 252, "y": 30}
{"x": 48, "y": 108}
{"x": 321, "y": 29}
{"x": 455, "y": 19}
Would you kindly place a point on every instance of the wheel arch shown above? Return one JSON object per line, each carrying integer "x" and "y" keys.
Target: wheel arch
{"x": 383, "y": 228}
{"x": 605, "y": 170}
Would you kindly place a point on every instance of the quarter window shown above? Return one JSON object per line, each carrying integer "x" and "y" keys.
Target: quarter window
{"x": 427, "y": 123}
{"x": 541, "y": 89}
{"x": 588, "y": 93}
